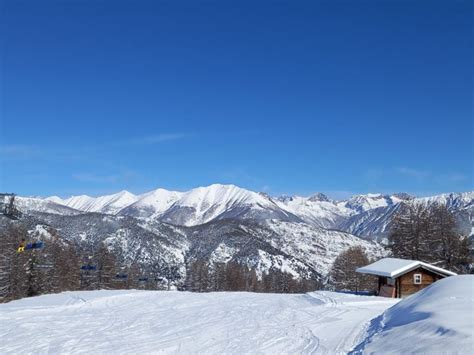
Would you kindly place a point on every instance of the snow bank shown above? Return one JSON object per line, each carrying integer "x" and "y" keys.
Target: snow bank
{"x": 438, "y": 319}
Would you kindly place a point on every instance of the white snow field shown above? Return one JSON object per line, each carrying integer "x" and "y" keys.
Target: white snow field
{"x": 137, "y": 322}
{"x": 436, "y": 320}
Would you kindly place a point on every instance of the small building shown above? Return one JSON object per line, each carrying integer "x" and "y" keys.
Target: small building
{"x": 400, "y": 277}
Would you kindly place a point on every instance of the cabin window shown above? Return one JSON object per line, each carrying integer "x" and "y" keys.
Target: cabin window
{"x": 417, "y": 279}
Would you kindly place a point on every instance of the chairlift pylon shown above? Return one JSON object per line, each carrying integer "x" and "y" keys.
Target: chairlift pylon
{"x": 8, "y": 207}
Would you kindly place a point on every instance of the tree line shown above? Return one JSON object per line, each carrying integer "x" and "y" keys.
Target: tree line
{"x": 428, "y": 233}
{"x": 58, "y": 267}
{"x": 201, "y": 276}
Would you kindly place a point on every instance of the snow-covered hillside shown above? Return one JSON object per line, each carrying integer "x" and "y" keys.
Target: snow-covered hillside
{"x": 300, "y": 249}
{"x": 439, "y": 317}
{"x": 138, "y": 322}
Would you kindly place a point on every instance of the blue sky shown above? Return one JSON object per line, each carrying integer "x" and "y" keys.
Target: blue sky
{"x": 289, "y": 97}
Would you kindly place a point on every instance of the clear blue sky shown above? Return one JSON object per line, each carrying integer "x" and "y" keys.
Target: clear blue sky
{"x": 282, "y": 96}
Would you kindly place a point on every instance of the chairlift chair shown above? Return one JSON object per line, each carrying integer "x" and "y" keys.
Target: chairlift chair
{"x": 29, "y": 246}
{"x": 88, "y": 267}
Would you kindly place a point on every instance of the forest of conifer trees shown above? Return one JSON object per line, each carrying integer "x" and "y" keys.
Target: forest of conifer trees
{"x": 58, "y": 267}
{"x": 418, "y": 232}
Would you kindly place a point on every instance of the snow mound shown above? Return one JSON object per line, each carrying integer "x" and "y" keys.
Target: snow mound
{"x": 438, "y": 319}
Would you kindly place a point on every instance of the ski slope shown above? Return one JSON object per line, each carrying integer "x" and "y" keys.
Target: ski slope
{"x": 134, "y": 322}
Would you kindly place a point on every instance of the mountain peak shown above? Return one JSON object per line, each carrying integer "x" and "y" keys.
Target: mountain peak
{"x": 403, "y": 196}
{"x": 318, "y": 197}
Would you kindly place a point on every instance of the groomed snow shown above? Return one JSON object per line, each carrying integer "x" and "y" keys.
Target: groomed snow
{"x": 393, "y": 267}
{"x": 136, "y": 322}
{"x": 436, "y": 320}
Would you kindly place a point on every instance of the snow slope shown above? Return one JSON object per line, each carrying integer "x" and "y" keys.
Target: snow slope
{"x": 27, "y": 204}
{"x": 316, "y": 210}
{"x": 104, "y": 204}
{"x": 217, "y": 202}
{"x": 137, "y": 322}
{"x": 362, "y": 203}
{"x": 440, "y": 318}
{"x": 151, "y": 204}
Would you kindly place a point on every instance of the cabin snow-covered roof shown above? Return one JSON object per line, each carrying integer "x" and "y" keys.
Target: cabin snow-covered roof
{"x": 393, "y": 267}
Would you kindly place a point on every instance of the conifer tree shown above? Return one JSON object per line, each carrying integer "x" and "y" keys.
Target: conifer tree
{"x": 343, "y": 275}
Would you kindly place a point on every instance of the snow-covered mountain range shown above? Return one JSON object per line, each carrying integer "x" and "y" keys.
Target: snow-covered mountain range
{"x": 367, "y": 216}
{"x": 220, "y": 223}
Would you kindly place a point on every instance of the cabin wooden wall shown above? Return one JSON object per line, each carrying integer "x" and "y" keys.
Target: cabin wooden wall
{"x": 406, "y": 286}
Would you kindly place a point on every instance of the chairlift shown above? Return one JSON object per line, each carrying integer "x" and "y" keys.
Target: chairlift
{"x": 143, "y": 279}
{"x": 88, "y": 267}
{"x": 121, "y": 276}
{"x": 43, "y": 266}
{"x": 29, "y": 246}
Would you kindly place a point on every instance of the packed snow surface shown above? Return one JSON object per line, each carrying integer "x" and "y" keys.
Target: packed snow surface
{"x": 135, "y": 322}
{"x": 436, "y": 320}
{"x": 393, "y": 267}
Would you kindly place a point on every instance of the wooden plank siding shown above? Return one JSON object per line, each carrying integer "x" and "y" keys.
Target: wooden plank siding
{"x": 406, "y": 285}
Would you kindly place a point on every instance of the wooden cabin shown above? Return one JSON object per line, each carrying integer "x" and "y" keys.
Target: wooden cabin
{"x": 400, "y": 277}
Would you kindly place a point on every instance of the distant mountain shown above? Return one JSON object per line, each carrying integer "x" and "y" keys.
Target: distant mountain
{"x": 110, "y": 204}
{"x": 363, "y": 203}
{"x": 217, "y": 202}
{"x": 315, "y": 210}
{"x": 367, "y": 216}
{"x": 374, "y": 223}
{"x": 27, "y": 204}
{"x": 151, "y": 204}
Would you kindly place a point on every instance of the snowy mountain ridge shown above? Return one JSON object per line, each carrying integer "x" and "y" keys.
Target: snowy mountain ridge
{"x": 367, "y": 216}
{"x": 105, "y": 204}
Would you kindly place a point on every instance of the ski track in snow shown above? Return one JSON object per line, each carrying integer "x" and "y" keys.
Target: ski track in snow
{"x": 132, "y": 322}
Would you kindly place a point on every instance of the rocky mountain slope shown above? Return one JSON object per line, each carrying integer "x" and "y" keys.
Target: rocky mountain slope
{"x": 299, "y": 249}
